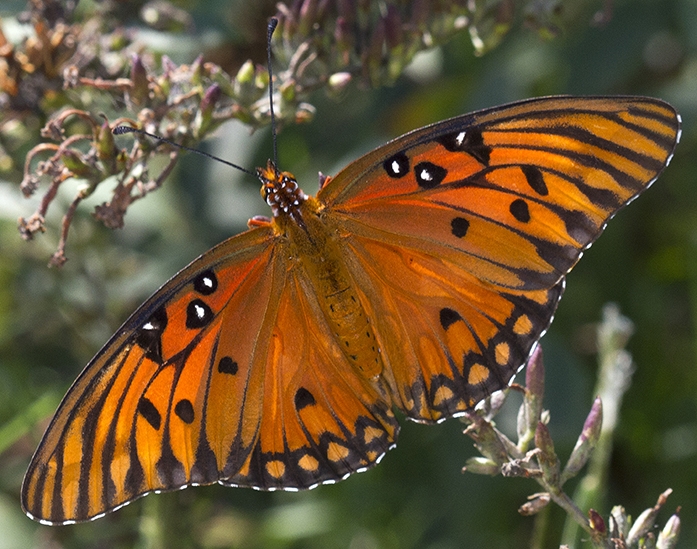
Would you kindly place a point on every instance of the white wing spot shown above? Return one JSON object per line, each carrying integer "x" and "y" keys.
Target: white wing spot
{"x": 426, "y": 175}
{"x": 395, "y": 167}
{"x": 200, "y": 311}
{"x": 460, "y": 139}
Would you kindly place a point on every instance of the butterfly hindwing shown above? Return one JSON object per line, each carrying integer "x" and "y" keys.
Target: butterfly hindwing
{"x": 320, "y": 421}
{"x": 448, "y": 340}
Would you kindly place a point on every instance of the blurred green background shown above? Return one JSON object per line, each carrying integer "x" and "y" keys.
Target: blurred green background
{"x": 53, "y": 321}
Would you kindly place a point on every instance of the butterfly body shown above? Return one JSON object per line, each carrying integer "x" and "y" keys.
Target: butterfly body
{"x": 310, "y": 242}
{"x": 420, "y": 278}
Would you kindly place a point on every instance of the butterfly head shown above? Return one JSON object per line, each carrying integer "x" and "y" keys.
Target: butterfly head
{"x": 280, "y": 190}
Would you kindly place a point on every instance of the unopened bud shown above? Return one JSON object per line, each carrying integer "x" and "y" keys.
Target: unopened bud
{"x": 481, "y": 466}
{"x": 587, "y": 441}
{"x": 596, "y": 522}
{"x": 536, "y": 503}
{"x": 668, "y": 537}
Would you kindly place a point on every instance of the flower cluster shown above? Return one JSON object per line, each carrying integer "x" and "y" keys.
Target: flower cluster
{"x": 535, "y": 457}
{"x": 81, "y": 63}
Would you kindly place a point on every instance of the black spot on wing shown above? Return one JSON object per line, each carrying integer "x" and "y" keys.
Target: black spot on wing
{"x": 459, "y": 226}
{"x": 227, "y": 366}
{"x": 206, "y": 283}
{"x": 519, "y": 210}
{"x": 448, "y": 317}
{"x": 469, "y": 141}
{"x": 535, "y": 179}
{"x": 304, "y": 398}
{"x": 185, "y": 411}
{"x": 147, "y": 409}
{"x": 397, "y": 166}
{"x": 429, "y": 175}
{"x": 148, "y": 337}
{"x": 198, "y": 314}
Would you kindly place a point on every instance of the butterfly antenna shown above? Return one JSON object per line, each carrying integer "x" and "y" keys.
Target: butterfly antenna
{"x": 119, "y": 130}
{"x": 273, "y": 22}
{"x": 269, "y": 32}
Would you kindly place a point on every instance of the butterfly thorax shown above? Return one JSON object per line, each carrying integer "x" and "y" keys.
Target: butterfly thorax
{"x": 314, "y": 246}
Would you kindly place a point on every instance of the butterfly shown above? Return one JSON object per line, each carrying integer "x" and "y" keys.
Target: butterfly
{"x": 420, "y": 279}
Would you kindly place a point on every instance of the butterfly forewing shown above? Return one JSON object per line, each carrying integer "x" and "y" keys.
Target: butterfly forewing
{"x": 152, "y": 409}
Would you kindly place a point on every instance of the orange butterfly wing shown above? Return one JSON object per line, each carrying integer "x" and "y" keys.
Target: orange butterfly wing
{"x": 461, "y": 233}
{"x": 227, "y": 374}
{"x": 246, "y": 368}
{"x": 134, "y": 419}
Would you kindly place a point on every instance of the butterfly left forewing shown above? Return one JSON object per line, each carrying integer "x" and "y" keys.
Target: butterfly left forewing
{"x": 152, "y": 411}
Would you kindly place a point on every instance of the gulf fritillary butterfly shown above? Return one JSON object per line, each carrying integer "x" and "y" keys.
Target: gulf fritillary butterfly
{"x": 420, "y": 278}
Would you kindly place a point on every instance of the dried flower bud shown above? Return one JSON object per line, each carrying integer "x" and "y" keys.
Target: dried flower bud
{"x": 597, "y": 523}
{"x": 29, "y": 184}
{"x": 530, "y": 412}
{"x": 487, "y": 439}
{"x": 535, "y": 373}
{"x": 139, "y": 81}
{"x": 204, "y": 116}
{"x": 547, "y": 458}
{"x": 210, "y": 99}
{"x": 491, "y": 405}
{"x": 536, "y": 503}
{"x": 74, "y": 162}
{"x": 619, "y": 522}
{"x": 106, "y": 148}
{"x": 646, "y": 520}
